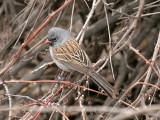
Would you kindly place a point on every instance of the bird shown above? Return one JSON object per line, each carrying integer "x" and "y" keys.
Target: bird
{"x": 69, "y": 56}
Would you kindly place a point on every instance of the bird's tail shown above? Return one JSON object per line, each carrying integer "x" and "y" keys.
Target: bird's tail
{"x": 103, "y": 84}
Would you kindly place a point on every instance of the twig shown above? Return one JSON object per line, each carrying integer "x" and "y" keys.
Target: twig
{"x": 45, "y": 1}
{"x": 147, "y": 61}
{"x": 143, "y": 83}
{"x": 59, "y": 110}
{"x": 131, "y": 29}
{"x": 94, "y": 5}
{"x": 43, "y": 66}
{"x": 10, "y": 101}
{"x": 87, "y": 4}
{"x": 110, "y": 41}
{"x": 107, "y": 5}
{"x": 47, "y": 103}
{"x": 14, "y": 59}
{"x": 36, "y": 45}
{"x": 81, "y": 99}
{"x": 25, "y": 24}
{"x": 70, "y": 29}
{"x": 149, "y": 69}
{"x": 156, "y": 49}
{"x": 149, "y": 4}
{"x": 141, "y": 111}
{"x": 155, "y": 13}
{"x": 41, "y": 27}
{"x": 52, "y": 81}
{"x": 21, "y": 96}
{"x": 123, "y": 29}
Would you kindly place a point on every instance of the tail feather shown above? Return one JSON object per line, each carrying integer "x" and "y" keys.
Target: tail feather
{"x": 103, "y": 84}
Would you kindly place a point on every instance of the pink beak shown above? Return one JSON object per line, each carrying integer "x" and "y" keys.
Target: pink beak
{"x": 48, "y": 42}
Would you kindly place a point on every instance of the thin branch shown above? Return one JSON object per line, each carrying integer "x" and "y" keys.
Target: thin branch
{"x": 15, "y": 57}
{"x": 94, "y": 5}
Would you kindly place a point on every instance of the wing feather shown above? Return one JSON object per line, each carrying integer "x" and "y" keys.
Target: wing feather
{"x": 71, "y": 54}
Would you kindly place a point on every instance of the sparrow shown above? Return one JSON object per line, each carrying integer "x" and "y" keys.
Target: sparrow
{"x": 69, "y": 56}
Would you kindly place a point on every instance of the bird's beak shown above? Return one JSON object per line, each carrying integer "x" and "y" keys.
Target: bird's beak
{"x": 48, "y": 42}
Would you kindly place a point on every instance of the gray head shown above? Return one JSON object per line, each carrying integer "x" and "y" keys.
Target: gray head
{"x": 57, "y": 36}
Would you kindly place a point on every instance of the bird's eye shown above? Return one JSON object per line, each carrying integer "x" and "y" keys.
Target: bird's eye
{"x": 54, "y": 39}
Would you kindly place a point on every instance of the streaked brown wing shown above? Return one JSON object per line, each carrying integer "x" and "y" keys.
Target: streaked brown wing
{"x": 71, "y": 54}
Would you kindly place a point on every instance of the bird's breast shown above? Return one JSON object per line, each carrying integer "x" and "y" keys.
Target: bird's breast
{"x": 59, "y": 64}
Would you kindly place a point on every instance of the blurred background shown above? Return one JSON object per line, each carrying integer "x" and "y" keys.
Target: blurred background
{"x": 108, "y": 30}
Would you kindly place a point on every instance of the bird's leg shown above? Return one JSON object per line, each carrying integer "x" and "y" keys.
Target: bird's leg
{"x": 63, "y": 75}
{"x": 66, "y": 75}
